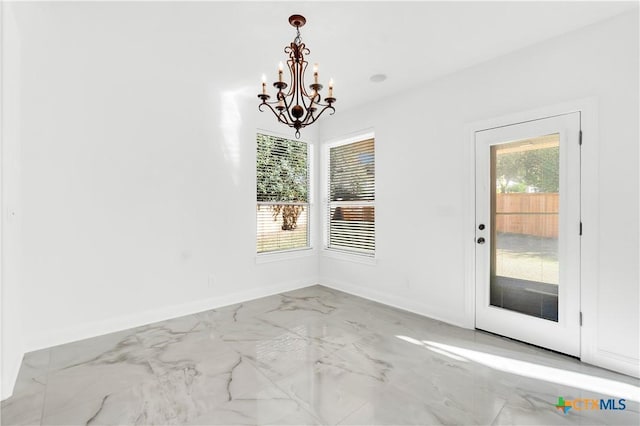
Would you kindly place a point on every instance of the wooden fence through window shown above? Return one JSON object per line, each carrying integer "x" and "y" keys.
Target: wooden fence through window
{"x": 528, "y": 213}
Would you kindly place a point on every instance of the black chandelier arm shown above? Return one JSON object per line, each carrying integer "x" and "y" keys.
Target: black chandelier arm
{"x": 312, "y": 108}
{"x": 316, "y": 97}
{"x": 267, "y": 104}
{"x": 314, "y": 118}
{"x": 325, "y": 105}
{"x": 316, "y": 92}
{"x": 278, "y": 115}
{"x": 308, "y": 116}
{"x": 296, "y": 124}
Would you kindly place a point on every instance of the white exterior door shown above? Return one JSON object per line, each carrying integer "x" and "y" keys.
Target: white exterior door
{"x": 528, "y": 232}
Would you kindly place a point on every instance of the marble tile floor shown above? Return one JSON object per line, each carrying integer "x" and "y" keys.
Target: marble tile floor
{"x": 306, "y": 357}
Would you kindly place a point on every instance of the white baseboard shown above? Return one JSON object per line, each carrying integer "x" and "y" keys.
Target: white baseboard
{"x": 396, "y": 301}
{"x": 111, "y": 325}
{"x": 10, "y": 375}
{"x": 615, "y": 362}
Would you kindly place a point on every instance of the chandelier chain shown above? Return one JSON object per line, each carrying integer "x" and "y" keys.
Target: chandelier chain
{"x": 298, "y": 39}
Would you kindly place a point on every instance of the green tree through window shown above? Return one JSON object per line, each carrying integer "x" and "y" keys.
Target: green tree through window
{"x": 282, "y": 187}
{"x": 537, "y": 169}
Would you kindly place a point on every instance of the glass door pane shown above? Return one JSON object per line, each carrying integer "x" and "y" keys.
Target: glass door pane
{"x": 524, "y": 275}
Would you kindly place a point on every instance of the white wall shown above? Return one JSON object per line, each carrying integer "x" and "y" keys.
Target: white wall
{"x": 422, "y": 172}
{"x": 138, "y": 174}
{"x": 10, "y": 218}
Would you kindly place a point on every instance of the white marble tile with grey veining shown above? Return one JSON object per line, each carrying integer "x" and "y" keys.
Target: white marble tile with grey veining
{"x": 329, "y": 390}
{"x": 309, "y": 356}
{"x": 393, "y": 406}
{"x": 259, "y": 411}
{"x": 238, "y": 312}
{"x": 26, "y": 404}
{"x": 535, "y": 402}
{"x": 171, "y": 331}
{"x": 282, "y": 355}
{"x": 93, "y": 380}
{"x": 179, "y": 391}
{"x": 292, "y": 307}
{"x": 326, "y": 332}
{"x": 101, "y": 348}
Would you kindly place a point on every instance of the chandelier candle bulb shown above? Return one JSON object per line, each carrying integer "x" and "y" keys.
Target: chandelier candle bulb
{"x": 264, "y": 84}
{"x": 280, "y": 72}
{"x": 315, "y": 73}
{"x": 331, "y": 88}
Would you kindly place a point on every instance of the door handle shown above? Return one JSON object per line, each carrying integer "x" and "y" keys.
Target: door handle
{"x": 481, "y": 240}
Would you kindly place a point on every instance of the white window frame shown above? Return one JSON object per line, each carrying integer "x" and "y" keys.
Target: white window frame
{"x": 354, "y": 256}
{"x": 285, "y": 254}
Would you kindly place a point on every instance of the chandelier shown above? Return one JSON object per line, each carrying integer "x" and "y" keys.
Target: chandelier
{"x": 297, "y": 107}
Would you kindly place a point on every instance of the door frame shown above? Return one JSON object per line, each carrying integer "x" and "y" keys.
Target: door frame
{"x": 589, "y": 197}
{"x": 563, "y": 333}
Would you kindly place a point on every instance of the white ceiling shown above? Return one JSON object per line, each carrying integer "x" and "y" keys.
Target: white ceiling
{"x": 410, "y": 42}
{"x": 413, "y": 42}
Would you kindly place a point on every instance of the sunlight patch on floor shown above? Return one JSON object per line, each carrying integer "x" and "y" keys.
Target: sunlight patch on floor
{"x": 532, "y": 370}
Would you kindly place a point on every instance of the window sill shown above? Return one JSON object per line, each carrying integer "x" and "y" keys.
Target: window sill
{"x": 349, "y": 257}
{"x": 284, "y": 255}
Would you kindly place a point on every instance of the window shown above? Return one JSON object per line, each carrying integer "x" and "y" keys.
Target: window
{"x": 351, "y": 195}
{"x": 282, "y": 194}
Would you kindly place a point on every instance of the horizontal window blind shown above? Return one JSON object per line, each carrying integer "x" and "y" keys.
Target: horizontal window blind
{"x": 351, "y": 214}
{"x": 351, "y": 172}
{"x": 272, "y": 236}
{"x": 282, "y": 188}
